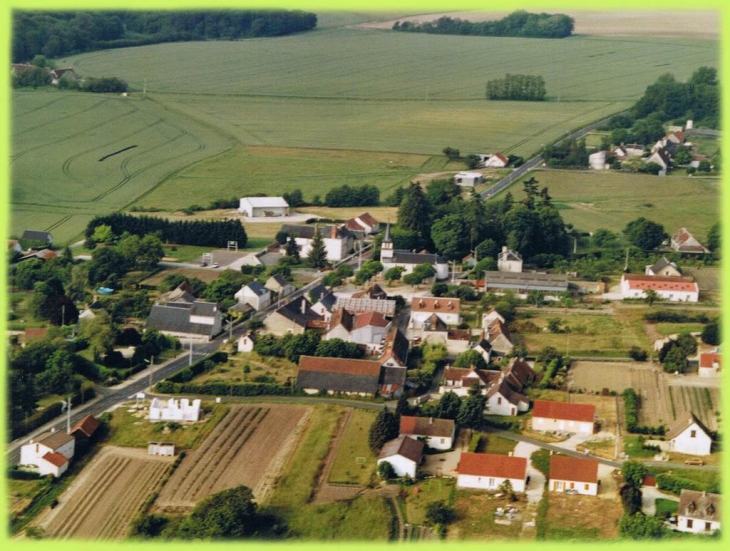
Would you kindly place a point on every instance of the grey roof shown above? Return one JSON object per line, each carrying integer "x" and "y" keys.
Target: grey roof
{"x": 201, "y": 308}
{"x": 509, "y": 256}
{"x": 279, "y": 279}
{"x": 407, "y": 257}
{"x": 316, "y": 293}
{"x": 174, "y": 317}
{"x": 293, "y": 311}
{"x": 527, "y": 281}
{"x": 509, "y": 393}
{"x": 338, "y": 374}
{"x": 699, "y": 505}
{"x": 682, "y": 423}
{"x": 663, "y": 263}
{"x": 33, "y": 235}
{"x": 393, "y": 376}
{"x": 404, "y": 446}
{"x": 307, "y": 232}
{"x": 257, "y": 288}
{"x": 328, "y": 301}
{"x": 268, "y": 258}
{"x": 53, "y": 439}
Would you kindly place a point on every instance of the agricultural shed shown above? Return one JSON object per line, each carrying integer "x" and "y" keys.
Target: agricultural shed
{"x": 332, "y": 375}
{"x": 526, "y": 282}
{"x": 161, "y": 448}
{"x": 684, "y": 242}
{"x": 195, "y": 320}
{"x": 468, "y": 179}
{"x": 573, "y": 473}
{"x": 673, "y": 289}
{"x": 85, "y": 428}
{"x": 255, "y": 207}
{"x": 709, "y": 364}
{"x": 41, "y": 236}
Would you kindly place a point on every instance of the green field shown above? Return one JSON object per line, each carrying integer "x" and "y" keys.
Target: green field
{"x": 608, "y": 199}
{"x": 355, "y": 462}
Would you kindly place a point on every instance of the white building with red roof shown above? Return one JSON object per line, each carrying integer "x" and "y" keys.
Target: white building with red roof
{"x": 486, "y": 471}
{"x": 422, "y": 308}
{"x": 673, "y": 289}
{"x": 364, "y": 223}
{"x": 684, "y": 242}
{"x": 573, "y": 475}
{"x": 496, "y": 160}
{"x": 563, "y": 417}
{"x": 49, "y": 453}
{"x": 436, "y": 433}
{"x": 709, "y": 364}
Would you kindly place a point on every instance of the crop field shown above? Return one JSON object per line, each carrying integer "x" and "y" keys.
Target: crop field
{"x": 105, "y": 498}
{"x": 704, "y": 402}
{"x": 607, "y": 199}
{"x": 242, "y": 450}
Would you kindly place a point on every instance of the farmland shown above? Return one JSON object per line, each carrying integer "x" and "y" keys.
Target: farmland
{"x": 103, "y": 501}
{"x": 240, "y": 451}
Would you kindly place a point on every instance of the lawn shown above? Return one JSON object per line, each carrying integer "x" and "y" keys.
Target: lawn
{"x": 475, "y": 518}
{"x": 354, "y": 462}
{"x": 233, "y": 371}
{"x": 577, "y": 517}
{"x": 666, "y": 508}
{"x": 433, "y": 489}
{"x": 491, "y": 443}
{"x": 608, "y": 199}
{"x": 633, "y": 447}
{"x": 21, "y": 492}
{"x": 678, "y": 328}
{"x": 131, "y": 429}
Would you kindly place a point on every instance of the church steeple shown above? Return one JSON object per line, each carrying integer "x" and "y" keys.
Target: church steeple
{"x": 386, "y": 247}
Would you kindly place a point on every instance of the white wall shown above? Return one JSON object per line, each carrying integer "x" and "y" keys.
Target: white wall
{"x": 499, "y": 405}
{"x": 583, "y": 488}
{"x": 683, "y": 525}
{"x": 488, "y": 483}
{"x": 401, "y": 465}
{"x": 175, "y": 410}
{"x": 449, "y": 318}
{"x": 699, "y": 444}
{"x": 563, "y": 425}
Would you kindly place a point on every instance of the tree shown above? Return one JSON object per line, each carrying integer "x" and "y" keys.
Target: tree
{"x": 292, "y": 249}
{"x": 451, "y": 153}
{"x": 228, "y": 514}
{"x": 384, "y": 428}
{"x": 644, "y": 234}
{"x": 640, "y": 527}
{"x": 424, "y": 271}
{"x": 99, "y": 333}
{"x": 393, "y": 274}
{"x": 437, "y": 512}
{"x": 318, "y": 252}
{"x": 651, "y": 296}
{"x": 337, "y": 348}
{"x": 711, "y": 333}
{"x": 713, "y": 237}
{"x": 448, "y": 406}
{"x": 507, "y": 489}
{"x": 386, "y": 471}
{"x": 633, "y": 473}
{"x": 103, "y": 234}
{"x": 470, "y": 358}
{"x": 451, "y": 236}
{"x": 414, "y": 212}
{"x": 471, "y": 412}
{"x": 630, "y": 498}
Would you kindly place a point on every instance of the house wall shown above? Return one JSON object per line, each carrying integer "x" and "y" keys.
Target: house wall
{"x": 708, "y": 371}
{"x": 434, "y": 442}
{"x": 245, "y": 344}
{"x": 322, "y": 311}
{"x": 278, "y": 325}
{"x": 699, "y": 444}
{"x": 499, "y": 405}
{"x": 695, "y": 526}
{"x": 276, "y": 211}
{"x": 459, "y": 390}
{"x": 449, "y": 318}
{"x": 488, "y": 483}
{"x": 671, "y": 296}
{"x": 338, "y": 332}
{"x": 509, "y": 266}
{"x": 495, "y": 162}
{"x": 402, "y": 465}
{"x": 583, "y": 488}
{"x": 370, "y": 335}
{"x": 563, "y": 425}
{"x": 175, "y": 410}
{"x": 45, "y": 467}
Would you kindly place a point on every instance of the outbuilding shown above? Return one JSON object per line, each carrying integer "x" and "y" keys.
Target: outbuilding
{"x": 256, "y": 207}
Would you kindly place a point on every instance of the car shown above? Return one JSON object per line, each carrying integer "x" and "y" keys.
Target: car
{"x": 203, "y": 264}
{"x": 214, "y": 265}
{"x": 694, "y": 461}
{"x": 571, "y": 492}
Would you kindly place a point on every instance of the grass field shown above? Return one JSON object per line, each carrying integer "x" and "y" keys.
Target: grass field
{"x": 606, "y": 199}
{"x": 354, "y": 462}
{"x": 433, "y": 489}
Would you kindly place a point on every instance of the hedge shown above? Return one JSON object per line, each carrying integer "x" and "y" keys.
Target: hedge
{"x": 199, "y": 367}
{"x": 675, "y": 317}
{"x": 225, "y": 389}
{"x": 476, "y": 439}
{"x": 631, "y": 408}
{"x": 675, "y": 484}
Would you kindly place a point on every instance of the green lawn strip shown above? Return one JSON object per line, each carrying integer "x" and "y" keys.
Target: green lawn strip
{"x": 428, "y": 491}
{"x": 491, "y": 443}
{"x": 354, "y": 462}
{"x": 666, "y": 507}
{"x": 634, "y": 448}
{"x": 679, "y": 328}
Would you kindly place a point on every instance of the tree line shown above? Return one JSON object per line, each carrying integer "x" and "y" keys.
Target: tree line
{"x": 519, "y": 24}
{"x": 56, "y": 34}
{"x": 214, "y": 233}
{"x": 517, "y": 88}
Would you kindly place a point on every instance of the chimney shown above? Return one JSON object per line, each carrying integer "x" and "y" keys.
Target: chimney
{"x": 333, "y": 233}
{"x": 504, "y": 248}
{"x": 304, "y": 306}
{"x": 510, "y": 454}
{"x": 430, "y": 420}
{"x": 53, "y": 429}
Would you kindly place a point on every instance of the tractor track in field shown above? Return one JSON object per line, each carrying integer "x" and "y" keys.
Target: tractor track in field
{"x": 63, "y": 117}
{"x": 34, "y": 109}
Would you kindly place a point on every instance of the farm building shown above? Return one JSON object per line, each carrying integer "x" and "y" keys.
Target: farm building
{"x": 280, "y": 286}
{"x": 525, "y": 282}
{"x": 362, "y": 305}
{"x": 192, "y": 320}
{"x": 174, "y": 410}
{"x": 161, "y": 448}
{"x": 404, "y": 454}
{"x": 663, "y": 268}
{"x": 85, "y": 428}
{"x": 255, "y": 207}
{"x": 294, "y": 317}
{"x": 698, "y": 512}
{"x": 255, "y": 295}
{"x": 468, "y": 179}
{"x": 573, "y": 474}
{"x": 497, "y": 160}
{"x": 14, "y": 245}
{"x": 390, "y": 258}
{"x": 270, "y": 256}
{"x": 509, "y": 261}
{"x": 38, "y": 236}
{"x": 437, "y": 434}
{"x": 625, "y": 151}
{"x": 67, "y": 74}
{"x": 338, "y": 240}
{"x": 688, "y": 435}
{"x": 486, "y": 471}
{"x": 684, "y": 242}
{"x": 709, "y": 364}
{"x": 448, "y": 310}
{"x": 332, "y": 375}
{"x": 673, "y": 289}
{"x": 49, "y": 452}
{"x": 563, "y": 416}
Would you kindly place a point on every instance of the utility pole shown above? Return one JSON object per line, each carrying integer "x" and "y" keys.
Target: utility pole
{"x": 190, "y": 362}
{"x": 63, "y": 315}
{"x": 144, "y": 87}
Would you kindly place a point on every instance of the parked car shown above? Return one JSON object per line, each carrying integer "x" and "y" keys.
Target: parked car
{"x": 215, "y": 265}
{"x": 694, "y": 461}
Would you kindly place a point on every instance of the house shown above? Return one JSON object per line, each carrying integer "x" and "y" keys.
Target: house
{"x": 14, "y": 245}
{"x": 338, "y": 240}
{"x": 698, "y": 512}
{"x": 161, "y": 448}
{"x": 318, "y": 374}
{"x": 174, "y": 410}
{"x": 280, "y": 286}
{"x": 256, "y": 207}
{"x": 294, "y": 317}
{"x": 573, "y": 475}
{"x": 448, "y": 310}
{"x": 370, "y": 329}
{"x": 489, "y": 317}
{"x": 597, "y": 160}
{"x": 518, "y": 373}
{"x": 193, "y": 320}
{"x": 664, "y": 268}
{"x": 49, "y": 453}
{"x": 563, "y": 417}
{"x": 468, "y": 179}
{"x": 673, "y": 289}
{"x": 395, "y": 349}
{"x": 523, "y": 283}
{"x": 460, "y": 380}
{"x": 624, "y": 151}
{"x": 486, "y": 471}
{"x": 360, "y": 305}
{"x": 684, "y": 242}
{"x": 660, "y": 157}
{"x": 499, "y": 338}
{"x": 688, "y": 435}
{"x": 255, "y": 295}
{"x": 246, "y": 342}
{"x": 390, "y": 258}
{"x": 38, "y": 236}
{"x": 67, "y": 74}
{"x": 496, "y": 160}
{"x": 504, "y": 399}
{"x": 404, "y": 454}
{"x": 85, "y": 428}
{"x": 435, "y": 330}
{"x": 374, "y": 292}
{"x": 437, "y": 434}
{"x": 182, "y": 293}
{"x": 364, "y": 223}
{"x": 323, "y": 301}
{"x": 270, "y": 256}
{"x": 709, "y": 364}
{"x": 484, "y": 348}
{"x": 509, "y": 261}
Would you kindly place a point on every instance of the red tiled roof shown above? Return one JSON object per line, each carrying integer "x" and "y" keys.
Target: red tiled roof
{"x": 563, "y": 467}
{"x": 564, "y": 410}
{"x": 501, "y": 157}
{"x": 87, "y": 426}
{"x": 352, "y": 225}
{"x": 707, "y": 359}
{"x": 426, "y": 426}
{"x": 487, "y": 464}
{"x": 339, "y": 365}
{"x": 33, "y": 333}
{"x": 661, "y": 283}
{"x": 368, "y": 219}
{"x": 369, "y": 318}
{"x": 56, "y": 459}
{"x": 435, "y": 304}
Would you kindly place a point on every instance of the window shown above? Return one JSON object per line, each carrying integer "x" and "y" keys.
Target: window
{"x": 499, "y": 401}
{"x": 689, "y": 523}
{"x": 585, "y": 487}
{"x": 693, "y": 434}
{"x": 443, "y": 440}
{"x": 572, "y": 485}
{"x": 491, "y": 483}
{"x": 708, "y": 526}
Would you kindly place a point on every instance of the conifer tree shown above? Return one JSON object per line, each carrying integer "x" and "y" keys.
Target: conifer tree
{"x": 318, "y": 252}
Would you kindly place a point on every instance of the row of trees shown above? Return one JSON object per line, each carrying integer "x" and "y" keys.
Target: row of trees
{"x": 346, "y": 196}
{"x": 517, "y": 88}
{"x": 519, "y": 23}
{"x": 55, "y": 34}
{"x": 566, "y": 154}
{"x": 309, "y": 343}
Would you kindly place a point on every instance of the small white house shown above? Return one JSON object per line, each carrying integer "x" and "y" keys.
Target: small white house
{"x": 256, "y": 207}
{"x": 497, "y": 160}
{"x": 49, "y": 452}
{"x": 709, "y": 364}
{"x": 689, "y": 436}
{"x": 573, "y": 475}
{"x": 509, "y": 261}
{"x": 404, "y": 454}
{"x": 597, "y": 160}
{"x": 246, "y": 342}
{"x": 698, "y": 512}
{"x": 255, "y": 295}
{"x": 503, "y": 399}
{"x": 161, "y": 448}
{"x": 486, "y": 471}
{"x": 438, "y": 434}
{"x": 489, "y": 317}
{"x": 468, "y": 179}
{"x": 664, "y": 268}
{"x": 174, "y": 410}
{"x": 563, "y": 417}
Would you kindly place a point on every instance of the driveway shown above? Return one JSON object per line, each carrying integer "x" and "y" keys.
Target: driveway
{"x": 649, "y": 495}
{"x": 536, "y": 485}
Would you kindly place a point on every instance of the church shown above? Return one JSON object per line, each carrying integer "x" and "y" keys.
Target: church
{"x": 408, "y": 260}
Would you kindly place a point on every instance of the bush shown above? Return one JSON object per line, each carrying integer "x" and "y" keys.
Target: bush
{"x": 631, "y": 408}
{"x": 637, "y": 354}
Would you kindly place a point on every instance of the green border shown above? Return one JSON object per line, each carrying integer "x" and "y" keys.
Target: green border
{"x": 418, "y": 6}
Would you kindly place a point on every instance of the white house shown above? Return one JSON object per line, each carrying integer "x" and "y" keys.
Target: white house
{"x": 497, "y": 160}
{"x": 574, "y": 475}
{"x": 49, "y": 452}
{"x": 255, "y": 207}
{"x": 174, "y": 410}
{"x": 489, "y": 317}
{"x": 468, "y": 179}
{"x": 246, "y": 342}
{"x": 255, "y": 295}
{"x": 698, "y": 512}
{"x": 597, "y": 160}
{"x": 664, "y": 268}
{"x": 338, "y": 240}
{"x": 485, "y": 471}
{"x": 660, "y": 157}
{"x": 404, "y": 454}
{"x": 422, "y": 308}
{"x": 460, "y": 380}
{"x": 684, "y": 242}
{"x": 672, "y": 289}
{"x": 563, "y": 417}
{"x": 709, "y": 364}
{"x": 438, "y": 434}
{"x": 504, "y": 399}
{"x": 509, "y": 261}
{"x": 279, "y": 285}
{"x": 364, "y": 223}
{"x": 689, "y": 436}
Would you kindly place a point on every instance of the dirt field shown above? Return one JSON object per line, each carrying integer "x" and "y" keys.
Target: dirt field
{"x": 247, "y": 448}
{"x": 582, "y": 517}
{"x": 671, "y": 23}
{"x": 105, "y": 498}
